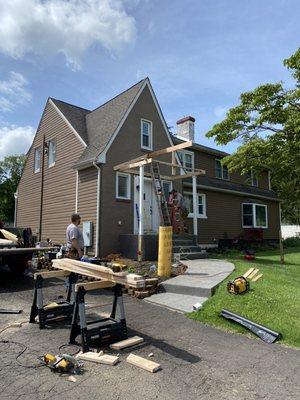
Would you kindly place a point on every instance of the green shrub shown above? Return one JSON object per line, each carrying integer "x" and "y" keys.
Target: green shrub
{"x": 291, "y": 242}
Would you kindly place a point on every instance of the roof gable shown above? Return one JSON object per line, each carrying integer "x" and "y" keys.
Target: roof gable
{"x": 75, "y": 116}
{"x": 103, "y": 122}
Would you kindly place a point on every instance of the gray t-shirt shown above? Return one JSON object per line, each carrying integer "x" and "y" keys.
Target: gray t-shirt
{"x": 73, "y": 232}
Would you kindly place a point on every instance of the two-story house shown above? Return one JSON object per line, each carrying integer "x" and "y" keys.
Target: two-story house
{"x": 70, "y": 168}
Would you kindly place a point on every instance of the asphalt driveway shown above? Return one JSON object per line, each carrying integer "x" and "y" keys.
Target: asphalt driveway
{"x": 197, "y": 361}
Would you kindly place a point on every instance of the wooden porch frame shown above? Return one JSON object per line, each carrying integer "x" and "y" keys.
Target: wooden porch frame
{"x": 142, "y": 161}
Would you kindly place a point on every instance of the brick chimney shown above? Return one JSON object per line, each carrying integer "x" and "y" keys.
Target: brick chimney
{"x": 186, "y": 128}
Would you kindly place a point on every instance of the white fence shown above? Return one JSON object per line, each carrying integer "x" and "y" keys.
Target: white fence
{"x": 290, "y": 231}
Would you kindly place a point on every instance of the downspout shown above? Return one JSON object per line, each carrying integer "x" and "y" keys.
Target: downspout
{"x": 16, "y": 208}
{"x": 42, "y": 189}
{"x": 98, "y": 209}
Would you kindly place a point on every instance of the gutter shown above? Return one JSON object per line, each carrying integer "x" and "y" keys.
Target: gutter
{"x": 98, "y": 209}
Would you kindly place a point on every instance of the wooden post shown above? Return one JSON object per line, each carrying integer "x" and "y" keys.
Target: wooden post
{"x": 280, "y": 238}
{"x": 141, "y": 225}
{"x": 195, "y": 206}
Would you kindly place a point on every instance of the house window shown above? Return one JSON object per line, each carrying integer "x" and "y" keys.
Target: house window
{"x": 252, "y": 178}
{"x": 254, "y": 215}
{"x": 51, "y": 153}
{"x": 221, "y": 171}
{"x": 187, "y": 160}
{"x": 146, "y": 134}
{"x": 201, "y": 204}
{"x": 37, "y": 160}
{"x": 123, "y": 186}
{"x": 167, "y": 187}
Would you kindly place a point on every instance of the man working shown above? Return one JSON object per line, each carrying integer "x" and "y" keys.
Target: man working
{"x": 75, "y": 242}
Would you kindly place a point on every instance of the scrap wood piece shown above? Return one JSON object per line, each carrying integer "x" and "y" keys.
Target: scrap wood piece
{"x": 256, "y": 278}
{"x": 143, "y": 363}
{"x": 98, "y": 358}
{"x": 127, "y": 343}
{"x": 252, "y": 275}
{"x": 247, "y": 273}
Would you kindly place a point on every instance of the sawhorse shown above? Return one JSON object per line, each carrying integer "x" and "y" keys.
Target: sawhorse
{"x": 103, "y": 329}
{"x": 48, "y": 312}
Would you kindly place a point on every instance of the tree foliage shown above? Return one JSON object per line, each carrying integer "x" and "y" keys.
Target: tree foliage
{"x": 267, "y": 123}
{"x": 10, "y": 173}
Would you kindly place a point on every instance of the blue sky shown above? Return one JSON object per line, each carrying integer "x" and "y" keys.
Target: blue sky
{"x": 199, "y": 55}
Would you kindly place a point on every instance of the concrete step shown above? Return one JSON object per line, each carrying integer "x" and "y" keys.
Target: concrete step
{"x": 178, "y": 302}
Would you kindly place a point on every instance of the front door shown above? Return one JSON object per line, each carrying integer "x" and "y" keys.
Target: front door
{"x": 149, "y": 212}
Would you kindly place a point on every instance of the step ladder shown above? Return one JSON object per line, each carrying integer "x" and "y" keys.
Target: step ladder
{"x": 160, "y": 195}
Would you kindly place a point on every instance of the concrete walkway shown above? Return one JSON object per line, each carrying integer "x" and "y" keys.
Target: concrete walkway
{"x": 194, "y": 286}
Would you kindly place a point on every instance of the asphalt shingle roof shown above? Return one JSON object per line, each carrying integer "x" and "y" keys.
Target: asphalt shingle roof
{"x": 232, "y": 186}
{"x": 76, "y": 117}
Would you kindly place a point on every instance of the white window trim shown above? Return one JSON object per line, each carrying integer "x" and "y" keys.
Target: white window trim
{"x": 251, "y": 176}
{"x": 200, "y": 216}
{"x": 128, "y": 185}
{"x": 183, "y": 169}
{"x": 150, "y": 136}
{"x": 38, "y": 169}
{"x": 53, "y": 163}
{"x": 224, "y": 179}
{"x": 254, "y": 215}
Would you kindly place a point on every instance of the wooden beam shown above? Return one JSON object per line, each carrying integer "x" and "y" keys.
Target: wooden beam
{"x": 152, "y": 154}
{"x": 94, "y": 285}
{"x": 190, "y": 175}
{"x": 170, "y": 149}
{"x": 147, "y": 174}
{"x": 131, "y": 165}
{"x": 122, "y": 165}
{"x": 52, "y": 274}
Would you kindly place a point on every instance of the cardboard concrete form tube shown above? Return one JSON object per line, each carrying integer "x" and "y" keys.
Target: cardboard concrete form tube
{"x": 164, "y": 251}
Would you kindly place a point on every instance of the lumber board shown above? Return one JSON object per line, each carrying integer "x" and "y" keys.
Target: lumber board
{"x": 170, "y": 149}
{"x": 253, "y": 273}
{"x": 143, "y": 363}
{"x": 127, "y": 343}
{"x": 9, "y": 236}
{"x": 189, "y": 175}
{"x": 6, "y": 242}
{"x": 131, "y": 165}
{"x": 94, "y": 285}
{"x": 247, "y": 273}
{"x": 52, "y": 274}
{"x": 101, "y": 359}
{"x": 256, "y": 278}
{"x": 102, "y": 273}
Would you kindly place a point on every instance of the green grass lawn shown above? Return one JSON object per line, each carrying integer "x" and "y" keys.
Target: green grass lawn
{"x": 273, "y": 301}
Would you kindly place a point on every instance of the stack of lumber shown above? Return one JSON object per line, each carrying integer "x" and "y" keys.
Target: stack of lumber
{"x": 6, "y": 242}
{"x": 9, "y": 236}
{"x": 99, "y": 272}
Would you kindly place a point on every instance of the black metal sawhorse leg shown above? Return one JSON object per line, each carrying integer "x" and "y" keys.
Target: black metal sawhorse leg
{"x": 104, "y": 328}
{"x": 63, "y": 309}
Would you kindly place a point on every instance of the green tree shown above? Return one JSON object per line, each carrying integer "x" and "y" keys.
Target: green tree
{"x": 10, "y": 173}
{"x": 267, "y": 123}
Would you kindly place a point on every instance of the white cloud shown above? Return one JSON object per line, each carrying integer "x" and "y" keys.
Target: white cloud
{"x": 15, "y": 140}
{"x": 47, "y": 27}
{"x": 13, "y": 92}
{"x": 220, "y": 111}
